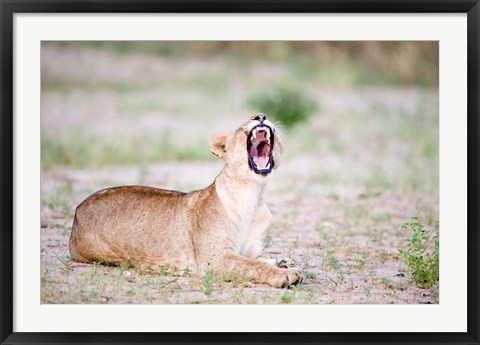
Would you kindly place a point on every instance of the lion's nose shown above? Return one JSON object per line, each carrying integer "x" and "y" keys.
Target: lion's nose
{"x": 260, "y": 117}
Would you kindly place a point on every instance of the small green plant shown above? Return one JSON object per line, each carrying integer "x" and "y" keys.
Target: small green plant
{"x": 362, "y": 261}
{"x": 268, "y": 241}
{"x": 64, "y": 259}
{"x": 385, "y": 281}
{"x": 253, "y": 299}
{"x": 45, "y": 276}
{"x": 65, "y": 228}
{"x": 288, "y": 297}
{"x": 422, "y": 263}
{"x": 93, "y": 294}
{"x": 287, "y": 104}
{"x": 167, "y": 270}
{"x": 309, "y": 298}
{"x": 187, "y": 272}
{"x": 121, "y": 270}
{"x": 245, "y": 281}
{"x": 239, "y": 295}
{"x": 332, "y": 260}
{"x": 367, "y": 290}
{"x": 207, "y": 282}
{"x": 340, "y": 276}
{"x": 66, "y": 263}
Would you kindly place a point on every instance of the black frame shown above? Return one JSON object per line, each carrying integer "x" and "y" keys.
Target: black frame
{"x": 9, "y": 7}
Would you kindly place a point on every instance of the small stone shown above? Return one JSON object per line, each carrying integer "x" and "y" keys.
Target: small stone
{"x": 401, "y": 275}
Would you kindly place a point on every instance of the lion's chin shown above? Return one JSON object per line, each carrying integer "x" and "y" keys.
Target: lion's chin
{"x": 260, "y": 142}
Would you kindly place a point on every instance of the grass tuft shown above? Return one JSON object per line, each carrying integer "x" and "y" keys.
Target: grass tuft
{"x": 207, "y": 282}
{"x": 422, "y": 262}
{"x": 287, "y": 104}
{"x": 288, "y": 296}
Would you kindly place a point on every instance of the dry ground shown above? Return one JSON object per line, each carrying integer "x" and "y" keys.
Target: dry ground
{"x": 366, "y": 163}
{"x": 346, "y": 241}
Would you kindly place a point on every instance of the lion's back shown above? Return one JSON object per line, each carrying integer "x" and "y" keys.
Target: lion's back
{"x": 133, "y": 223}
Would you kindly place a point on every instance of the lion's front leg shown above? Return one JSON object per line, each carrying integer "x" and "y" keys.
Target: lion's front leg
{"x": 259, "y": 271}
{"x": 254, "y": 244}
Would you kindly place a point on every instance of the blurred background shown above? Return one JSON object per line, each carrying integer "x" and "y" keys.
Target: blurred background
{"x": 117, "y": 103}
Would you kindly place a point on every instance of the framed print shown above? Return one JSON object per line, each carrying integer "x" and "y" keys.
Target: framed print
{"x": 192, "y": 172}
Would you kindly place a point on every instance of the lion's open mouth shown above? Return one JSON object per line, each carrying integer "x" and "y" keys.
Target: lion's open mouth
{"x": 259, "y": 148}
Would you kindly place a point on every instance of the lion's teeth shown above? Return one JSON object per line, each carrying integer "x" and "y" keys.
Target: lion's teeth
{"x": 268, "y": 166}
{"x": 254, "y": 134}
{"x": 268, "y": 134}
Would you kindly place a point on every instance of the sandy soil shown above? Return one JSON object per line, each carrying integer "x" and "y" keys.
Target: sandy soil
{"x": 345, "y": 241}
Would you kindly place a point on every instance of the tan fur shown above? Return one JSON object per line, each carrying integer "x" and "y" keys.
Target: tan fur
{"x": 219, "y": 228}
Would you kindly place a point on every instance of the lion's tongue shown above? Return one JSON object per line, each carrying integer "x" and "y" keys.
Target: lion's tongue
{"x": 261, "y": 157}
{"x": 261, "y": 162}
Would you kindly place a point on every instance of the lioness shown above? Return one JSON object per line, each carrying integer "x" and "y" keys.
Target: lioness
{"x": 219, "y": 228}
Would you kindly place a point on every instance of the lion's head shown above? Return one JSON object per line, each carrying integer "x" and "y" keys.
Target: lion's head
{"x": 253, "y": 150}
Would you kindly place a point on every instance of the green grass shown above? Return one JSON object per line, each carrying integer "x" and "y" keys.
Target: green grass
{"x": 268, "y": 241}
{"x": 93, "y": 152}
{"x": 66, "y": 263}
{"x": 385, "y": 281}
{"x": 288, "y": 296}
{"x": 420, "y": 258}
{"x": 309, "y": 275}
{"x": 286, "y": 103}
{"x": 207, "y": 282}
{"x": 367, "y": 289}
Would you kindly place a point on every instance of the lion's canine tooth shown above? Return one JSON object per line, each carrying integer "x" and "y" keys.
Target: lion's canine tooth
{"x": 254, "y": 134}
{"x": 268, "y": 165}
{"x": 268, "y": 133}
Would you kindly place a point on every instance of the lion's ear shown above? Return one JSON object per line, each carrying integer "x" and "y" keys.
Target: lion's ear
{"x": 218, "y": 144}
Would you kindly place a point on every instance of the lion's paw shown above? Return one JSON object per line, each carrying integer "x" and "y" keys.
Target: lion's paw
{"x": 282, "y": 262}
{"x": 286, "y": 278}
